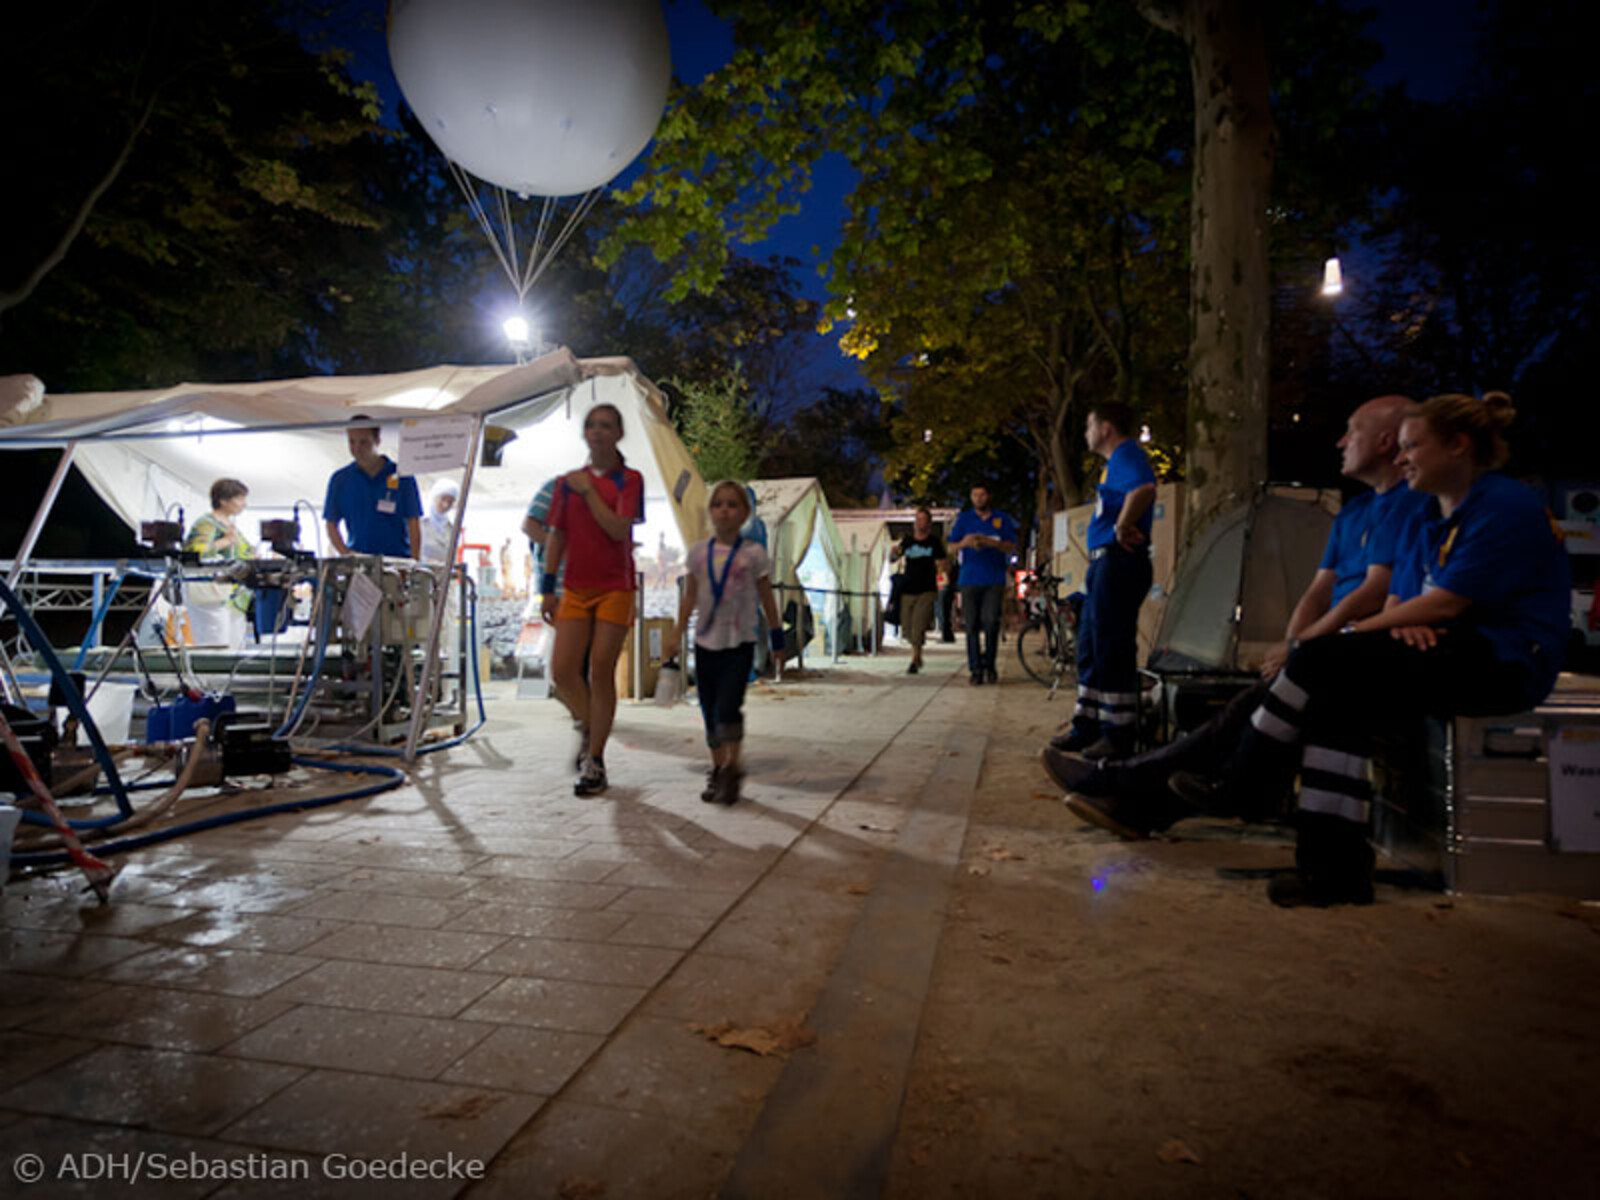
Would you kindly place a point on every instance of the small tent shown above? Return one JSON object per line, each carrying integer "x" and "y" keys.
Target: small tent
{"x": 1238, "y": 583}
{"x": 149, "y": 453}
{"x": 808, "y": 555}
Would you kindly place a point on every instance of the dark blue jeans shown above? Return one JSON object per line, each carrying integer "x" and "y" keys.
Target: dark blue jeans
{"x": 980, "y": 613}
{"x": 720, "y": 677}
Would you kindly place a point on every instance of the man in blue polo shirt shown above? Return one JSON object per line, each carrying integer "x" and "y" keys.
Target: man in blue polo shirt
{"x": 985, "y": 539}
{"x": 381, "y": 509}
{"x": 1117, "y": 582}
{"x": 1130, "y": 796}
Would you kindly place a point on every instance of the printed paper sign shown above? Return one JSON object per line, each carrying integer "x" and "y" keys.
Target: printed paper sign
{"x": 361, "y": 602}
{"x": 433, "y": 444}
{"x": 1575, "y": 789}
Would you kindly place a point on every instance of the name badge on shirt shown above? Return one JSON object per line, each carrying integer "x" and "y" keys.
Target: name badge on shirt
{"x": 386, "y": 505}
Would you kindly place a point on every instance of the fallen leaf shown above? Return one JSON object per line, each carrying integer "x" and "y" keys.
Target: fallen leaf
{"x": 778, "y": 1039}
{"x": 468, "y": 1108}
{"x": 1175, "y": 1150}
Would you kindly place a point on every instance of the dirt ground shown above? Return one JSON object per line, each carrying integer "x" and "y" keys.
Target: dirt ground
{"x": 1131, "y": 1019}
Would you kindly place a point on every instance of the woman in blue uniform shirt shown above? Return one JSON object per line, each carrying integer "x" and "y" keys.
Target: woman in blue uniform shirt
{"x": 1479, "y": 628}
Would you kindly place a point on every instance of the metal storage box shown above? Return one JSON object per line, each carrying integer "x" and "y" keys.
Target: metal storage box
{"x": 1476, "y": 805}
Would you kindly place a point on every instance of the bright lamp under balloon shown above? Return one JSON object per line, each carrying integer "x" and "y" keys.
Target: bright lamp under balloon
{"x": 540, "y": 97}
{"x": 1332, "y": 280}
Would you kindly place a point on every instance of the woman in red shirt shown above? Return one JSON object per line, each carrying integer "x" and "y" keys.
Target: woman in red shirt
{"x": 591, "y": 533}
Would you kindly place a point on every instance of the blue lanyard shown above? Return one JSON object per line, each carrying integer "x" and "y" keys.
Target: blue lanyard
{"x": 718, "y": 586}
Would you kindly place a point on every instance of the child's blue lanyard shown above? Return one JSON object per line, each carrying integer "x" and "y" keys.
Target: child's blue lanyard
{"x": 718, "y": 586}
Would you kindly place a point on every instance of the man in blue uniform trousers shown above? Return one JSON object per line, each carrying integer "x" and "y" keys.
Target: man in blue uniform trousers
{"x": 1118, "y": 581}
{"x": 1130, "y": 797}
{"x": 985, "y": 539}
{"x": 381, "y": 509}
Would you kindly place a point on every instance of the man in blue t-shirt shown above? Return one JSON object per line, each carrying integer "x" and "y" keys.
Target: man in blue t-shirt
{"x": 1130, "y": 797}
{"x": 380, "y": 508}
{"x": 1116, "y": 584}
{"x": 985, "y": 539}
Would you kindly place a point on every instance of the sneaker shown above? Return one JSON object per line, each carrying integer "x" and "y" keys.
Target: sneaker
{"x": 1074, "y": 740}
{"x": 990, "y": 675}
{"x": 592, "y": 778}
{"x": 977, "y": 678}
{"x": 709, "y": 793}
{"x": 728, "y": 781}
{"x": 913, "y": 669}
{"x": 1300, "y": 890}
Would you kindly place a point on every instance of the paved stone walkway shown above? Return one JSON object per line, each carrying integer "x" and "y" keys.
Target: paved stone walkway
{"x": 480, "y": 964}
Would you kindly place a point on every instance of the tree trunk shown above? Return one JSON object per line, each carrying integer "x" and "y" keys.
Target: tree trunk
{"x": 1230, "y": 289}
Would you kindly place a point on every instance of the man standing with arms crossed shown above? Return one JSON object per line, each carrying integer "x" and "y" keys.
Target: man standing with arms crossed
{"x": 1117, "y": 583}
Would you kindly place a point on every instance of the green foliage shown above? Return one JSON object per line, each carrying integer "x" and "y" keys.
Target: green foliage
{"x": 1015, "y": 246}
{"x": 719, "y": 427}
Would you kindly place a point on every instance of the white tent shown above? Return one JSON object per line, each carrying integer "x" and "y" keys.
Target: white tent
{"x": 807, "y": 552}
{"x": 148, "y": 452}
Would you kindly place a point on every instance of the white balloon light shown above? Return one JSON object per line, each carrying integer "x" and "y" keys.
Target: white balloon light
{"x": 540, "y": 97}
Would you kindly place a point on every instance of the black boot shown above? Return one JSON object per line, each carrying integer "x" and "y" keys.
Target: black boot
{"x": 1333, "y": 864}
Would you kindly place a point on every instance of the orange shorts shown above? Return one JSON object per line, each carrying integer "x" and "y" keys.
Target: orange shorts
{"x": 596, "y": 604}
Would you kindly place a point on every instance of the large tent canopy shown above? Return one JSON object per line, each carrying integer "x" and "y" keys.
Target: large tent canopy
{"x": 807, "y": 551}
{"x": 147, "y": 452}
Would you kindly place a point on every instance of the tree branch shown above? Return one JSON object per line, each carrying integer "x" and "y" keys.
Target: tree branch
{"x": 11, "y": 299}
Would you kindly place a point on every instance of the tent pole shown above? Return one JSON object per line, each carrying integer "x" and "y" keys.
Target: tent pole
{"x": 31, "y": 538}
{"x": 430, "y": 661}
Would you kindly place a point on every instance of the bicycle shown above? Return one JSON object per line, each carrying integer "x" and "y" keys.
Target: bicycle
{"x": 1047, "y": 643}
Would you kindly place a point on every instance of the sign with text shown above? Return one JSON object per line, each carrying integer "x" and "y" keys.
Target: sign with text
{"x": 1575, "y": 788}
{"x": 433, "y": 444}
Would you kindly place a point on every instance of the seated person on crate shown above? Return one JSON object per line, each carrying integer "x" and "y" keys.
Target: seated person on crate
{"x": 1130, "y": 796}
{"x": 1479, "y": 628}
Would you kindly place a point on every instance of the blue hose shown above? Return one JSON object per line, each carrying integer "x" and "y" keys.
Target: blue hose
{"x": 95, "y": 622}
{"x": 325, "y": 628}
{"x": 392, "y": 778}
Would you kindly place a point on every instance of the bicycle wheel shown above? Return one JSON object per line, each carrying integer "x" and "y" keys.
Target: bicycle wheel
{"x": 1036, "y": 647}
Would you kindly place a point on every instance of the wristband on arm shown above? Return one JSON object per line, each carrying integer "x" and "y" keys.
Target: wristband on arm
{"x": 547, "y": 584}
